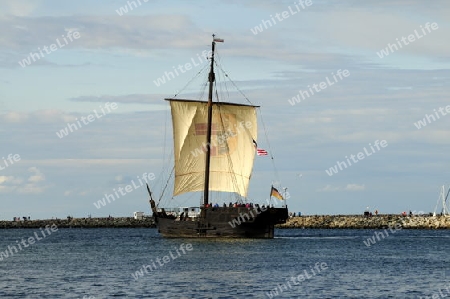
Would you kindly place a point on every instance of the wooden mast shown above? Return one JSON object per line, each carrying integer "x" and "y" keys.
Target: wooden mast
{"x": 211, "y": 78}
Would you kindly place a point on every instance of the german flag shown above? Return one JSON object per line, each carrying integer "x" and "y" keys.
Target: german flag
{"x": 274, "y": 192}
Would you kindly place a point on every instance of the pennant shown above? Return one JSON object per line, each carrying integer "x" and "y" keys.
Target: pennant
{"x": 218, "y": 40}
{"x": 261, "y": 152}
{"x": 274, "y": 192}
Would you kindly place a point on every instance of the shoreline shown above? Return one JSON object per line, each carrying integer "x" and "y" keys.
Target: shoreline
{"x": 299, "y": 222}
{"x": 106, "y": 222}
{"x": 382, "y": 221}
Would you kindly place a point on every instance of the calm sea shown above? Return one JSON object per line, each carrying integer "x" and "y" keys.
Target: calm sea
{"x": 138, "y": 263}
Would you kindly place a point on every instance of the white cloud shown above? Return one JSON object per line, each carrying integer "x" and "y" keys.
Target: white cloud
{"x": 37, "y": 177}
{"x": 328, "y": 188}
{"x": 33, "y": 184}
{"x": 52, "y": 115}
{"x": 127, "y": 32}
{"x": 10, "y": 180}
{"x": 19, "y": 8}
{"x": 46, "y": 116}
{"x": 30, "y": 189}
{"x": 14, "y": 117}
{"x": 355, "y": 187}
{"x": 349, "y": 187}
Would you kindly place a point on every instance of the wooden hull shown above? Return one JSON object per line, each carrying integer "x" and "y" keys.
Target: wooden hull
{"x": 224, "y": 222}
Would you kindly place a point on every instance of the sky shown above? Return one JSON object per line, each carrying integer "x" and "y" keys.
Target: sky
{"x": 96, "y": 65}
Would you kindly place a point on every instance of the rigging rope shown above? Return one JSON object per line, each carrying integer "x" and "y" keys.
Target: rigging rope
{"x": 237, "y": 197}
{"x": 261, "y": 117}
{"x": 270, "y": 148}
{"x": 165, "y": 187}
{"x": 234, "y": 84}
{"x": 189, "y": 82}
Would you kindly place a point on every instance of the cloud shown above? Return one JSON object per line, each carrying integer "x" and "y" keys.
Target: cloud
{"x": 52, "y": 115}
{"x": 77, "y": 192}
{"x": 37, "y": 177}
{"x": 31, "y": 185}
{"x": 355, "y": 187}
{"x": 19, "y": 8}
{"x": 128, "y": 33}
{"x": 30, "y": 189}
{"x": 381, "y": 28}
{"x": 328, "y": 188}
{"x": 154, "y": 99}
{"x": 349, "y": 187}
{"x": 14, "y": 117}
{"x": 10, "y": 180}
{"x": 39, "y": 116}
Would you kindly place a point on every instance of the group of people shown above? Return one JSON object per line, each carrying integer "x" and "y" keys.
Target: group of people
{"x": 234, "y": 205}
{"x": 369, "y": 214}
{"x": 24, "y": 218}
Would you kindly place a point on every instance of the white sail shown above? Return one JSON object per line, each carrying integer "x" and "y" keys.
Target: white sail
{"x": 234, "y": 130}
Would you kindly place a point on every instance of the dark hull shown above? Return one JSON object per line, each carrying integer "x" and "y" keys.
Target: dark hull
{"x": 224, "y": 222}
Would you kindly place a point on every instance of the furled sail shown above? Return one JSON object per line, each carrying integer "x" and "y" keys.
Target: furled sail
{"x": 233, "y": 136}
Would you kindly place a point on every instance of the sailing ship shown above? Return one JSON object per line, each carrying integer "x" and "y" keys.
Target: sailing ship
{"x": 214, "y": 149}
{"x": 442, "y": 200}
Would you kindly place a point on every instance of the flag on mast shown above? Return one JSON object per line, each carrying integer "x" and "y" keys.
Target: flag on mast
{"x": 218, "y": 40}
{"x": 261, "y": 152}
{"x": 274, "y": 192}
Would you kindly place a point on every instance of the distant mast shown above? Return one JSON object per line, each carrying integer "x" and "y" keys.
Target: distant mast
{"x": 209, "y": 123}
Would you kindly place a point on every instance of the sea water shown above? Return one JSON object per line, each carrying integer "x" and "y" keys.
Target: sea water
{"x": 297, "y": 263}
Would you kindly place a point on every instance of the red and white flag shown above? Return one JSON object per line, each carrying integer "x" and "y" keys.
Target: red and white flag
{"x": 218, "y": 40}
{"x": 261, "y": 152}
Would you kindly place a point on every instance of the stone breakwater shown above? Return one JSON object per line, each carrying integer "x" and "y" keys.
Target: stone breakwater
{"x": 113, "y": 222}
{"x": 316, "y": 221}
{"x": 363, "y": 222}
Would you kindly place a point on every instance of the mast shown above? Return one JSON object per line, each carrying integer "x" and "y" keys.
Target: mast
{"x": 211, "y": 78}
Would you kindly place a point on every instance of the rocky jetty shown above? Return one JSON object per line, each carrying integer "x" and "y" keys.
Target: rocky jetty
{"x": 111, "y": 222}
{"x": 365, "y": 222}
{"x": 315, "y": 221}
